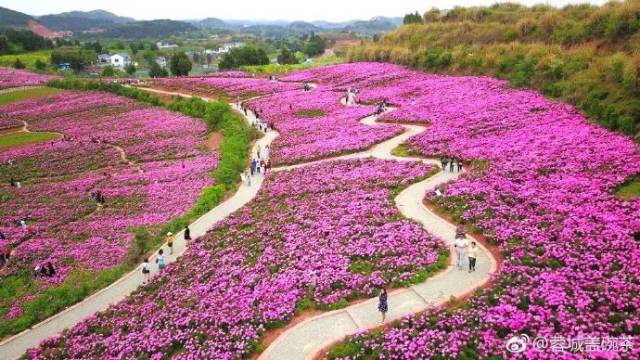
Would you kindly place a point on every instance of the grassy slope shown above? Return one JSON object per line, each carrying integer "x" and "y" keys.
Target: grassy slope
{"x": 24, "y": 94}
{"x": 24, "y": 138}
{"x": 28, "y": 59}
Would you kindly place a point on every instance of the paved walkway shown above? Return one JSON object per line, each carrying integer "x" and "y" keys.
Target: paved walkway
{"x": 16, "y": 345}
{"x": 306, "y": 339}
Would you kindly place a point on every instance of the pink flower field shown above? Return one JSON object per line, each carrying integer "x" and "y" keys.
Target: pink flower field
{"x": 65, "y": 225}
{"x": 540, "y": 186}
{"x": 542, "y": 189}
{"x": 316, "y": 125}
{"x": 325, "y": 233}
{"x": 10, "y": 78}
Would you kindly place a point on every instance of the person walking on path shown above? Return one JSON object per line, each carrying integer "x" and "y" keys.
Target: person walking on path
{"x": 258, "y": 151}
{"x": 170, "y": 242}
{"x": 145, "y": 271}
{"x": 383, "y": 305}
{"x": 248, "y": 178}
{"x": 461, "y": 251}
{"x": 452, "y": 165}
{"x": 443, "y": 162}
{"x": 253, "y": 166}
{"x": 459, "y": 165}
{"x": 473, "y": 255}
{"x": 187, "y": 233}
{"x": 160, "y": 260}
{"x": 243, "y": 178}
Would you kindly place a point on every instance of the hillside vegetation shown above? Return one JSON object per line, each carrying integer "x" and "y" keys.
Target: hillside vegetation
{"x": 586, "y": 55}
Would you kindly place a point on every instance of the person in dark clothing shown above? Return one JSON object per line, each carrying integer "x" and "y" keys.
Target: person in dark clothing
{"x": 383, "y": 305}
{"x": 444, "y": 161}
{"x": 459, "y": 165}
{"x": 187, "y": 233}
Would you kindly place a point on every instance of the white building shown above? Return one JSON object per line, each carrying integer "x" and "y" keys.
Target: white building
{"x": 164, "y": 45}
{"x": 120, "y": 60}
{"x": 162, "y": 61}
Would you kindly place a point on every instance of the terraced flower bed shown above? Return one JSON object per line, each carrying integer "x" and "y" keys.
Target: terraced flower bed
{"x": 103, "y": 133}
{"x": 544, "y": 194}
{"x": 215, "y": 86}
{"x": 318, "y": 235}
{"x": 336, "y": 131}
{"x": 10, "y": 78}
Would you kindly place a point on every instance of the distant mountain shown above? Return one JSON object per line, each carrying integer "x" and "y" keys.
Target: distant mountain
{"x": 210, "y": 23}
{"x": 78, "y": 21}
{"x": 149, "y": 29}
{"x": 15, "y": 19}
{"x": 11, "y": 18}
{"x": 373, "y": 26}
{"x": 303, "y": 27}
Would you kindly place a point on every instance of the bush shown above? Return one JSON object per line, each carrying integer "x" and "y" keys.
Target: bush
{"x": 19, "y": 64}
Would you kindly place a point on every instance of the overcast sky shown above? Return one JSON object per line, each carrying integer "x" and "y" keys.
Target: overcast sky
{"x": 333, "y": 10}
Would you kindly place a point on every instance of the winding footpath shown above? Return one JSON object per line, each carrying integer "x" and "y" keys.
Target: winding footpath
{"x": 15, "y": 346}
{"x": 309, "y": 337}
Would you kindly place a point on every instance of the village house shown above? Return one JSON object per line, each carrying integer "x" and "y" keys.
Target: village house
{"x": 120, "y": 60}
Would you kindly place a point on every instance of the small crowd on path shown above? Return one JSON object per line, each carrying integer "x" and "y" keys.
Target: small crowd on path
{"x": 161, "y": 260}
{"x": 466, "y": 251}
{"x": 454, "y": 164}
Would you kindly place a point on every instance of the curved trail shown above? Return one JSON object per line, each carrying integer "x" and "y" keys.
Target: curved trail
{"x": 308, "y": 338}
{"x": 15, "y": 346}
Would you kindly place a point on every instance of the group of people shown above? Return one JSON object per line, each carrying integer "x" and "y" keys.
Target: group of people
{"x": 381, "y": 107}
{"x": 98, "y": 197}
{"x": 465, "y": 250}
{"x": 161, "y": 261}
{"x": 260, "y": 164}
{"x": 46, "y": 270}
{"x": 14, "y": 183}
{"x": 351, "y": 96}
{"x": 454, "y": 164}
{"x": 307, "y": 87}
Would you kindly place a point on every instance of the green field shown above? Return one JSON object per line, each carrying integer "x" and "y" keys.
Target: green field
{"x": 630, "y": 190}
{"x": 279, "y": 69}
{"x": 24, "y": 138}
{"x": 26, "y": 94}
{"x": 28, "y": 59}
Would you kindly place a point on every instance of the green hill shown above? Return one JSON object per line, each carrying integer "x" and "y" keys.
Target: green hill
{"x": 586, "y": 55}
{"x": 78, "y": 21}
{"x": 10, "y": 18}
{"x": 149, "y": 29}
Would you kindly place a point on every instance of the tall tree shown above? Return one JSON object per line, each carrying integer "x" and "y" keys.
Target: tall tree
{"x": 156, "y": 71}
{"x": 180, "y": 64}
{"x": 414, "y": 18}
{"x": 286, "y": 57}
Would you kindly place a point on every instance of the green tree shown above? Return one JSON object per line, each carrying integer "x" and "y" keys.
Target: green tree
{"x": 315, "y": 45}
{"x": 19, "y": 64}
{"x": 130, "y": 69}
{"x": 286, "y": 57}
{"x": 432, "y": 15}
{"x": 40, "y": 65}
{"x": 414, "y": 18}
{"x": 108, "y": 71}
{"x": 156, "y": 71}
{"x": 246, "y": 55}
{"x": 5, "y": 45}
{"x": 180, "y": 64}
{"x": 76, "y": 57}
